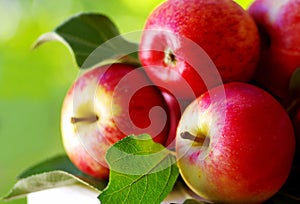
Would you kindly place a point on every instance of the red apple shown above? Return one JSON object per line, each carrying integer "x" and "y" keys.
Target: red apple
{"x": 174, "y": 111}
{"x": 176, "y": 107}
{"x": 235, "y": 144}
{"x": 278, "y": 21}
{"x": 103, "y": 106}
{"x": 224, "y": 32}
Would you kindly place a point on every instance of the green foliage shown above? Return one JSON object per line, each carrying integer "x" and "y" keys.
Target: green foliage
{"x": 141, "y": 171}
{"x": 52, "y": 173}
{"x": 40, "y": 182}
{"x": 62, "y": 163}
{"x": 92, "y": 38}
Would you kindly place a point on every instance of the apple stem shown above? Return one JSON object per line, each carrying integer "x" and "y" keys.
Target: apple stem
{"x": 88, "y": 119}
{"x": 198, "y": 139}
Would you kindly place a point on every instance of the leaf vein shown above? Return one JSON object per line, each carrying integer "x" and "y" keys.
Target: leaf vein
{"x": 146, "y": 187}
{"x": 169, "y": 177}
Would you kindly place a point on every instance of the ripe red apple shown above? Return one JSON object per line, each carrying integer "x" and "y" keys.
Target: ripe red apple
{"x": 176, "y": 107}
{"x": 235, "y": 144}
{"x": 103, "y": 106}
{"x": 225, "y": 34}
{"x": 278, "y": 21}
{"x": 174, "y": 111}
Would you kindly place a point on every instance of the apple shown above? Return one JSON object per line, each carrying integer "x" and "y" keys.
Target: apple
{"x": 278, "y": 22}
{"x": 224, "y": 32}
{"x": 176, "y": 106}
{"x": 235, "y": 144}
{"x": 104, "y": 105}
{"x": 174, "y": 111}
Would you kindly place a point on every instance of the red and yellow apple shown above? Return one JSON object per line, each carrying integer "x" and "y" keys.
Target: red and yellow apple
{"x": 104, "y": 105}
{"x": 225, "y": 32}
{"x": 235, "y": 144}
{"x": 278, "y": 22}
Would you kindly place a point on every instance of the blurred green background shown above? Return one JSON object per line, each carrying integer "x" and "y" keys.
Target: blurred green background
{"x": 33, "y": 82}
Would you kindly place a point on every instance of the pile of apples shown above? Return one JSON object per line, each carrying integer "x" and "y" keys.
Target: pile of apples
{"x": 213, "y": 87}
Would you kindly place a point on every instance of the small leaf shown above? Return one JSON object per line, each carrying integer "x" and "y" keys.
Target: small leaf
{"x": 52, "y": 173}
{"x": 92, "y": 38}
{"x": 63, "y": 163}
{"x": 43, "y": 181}
{"x": 47, "y": 37}
{"x": 294, "y": 87}
{"x": 141, "y": 171}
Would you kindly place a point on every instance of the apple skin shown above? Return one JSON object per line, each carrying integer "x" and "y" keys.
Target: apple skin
{"x": 174, "y": 111}
{"x": 104, "y": 105}
{"x": 225, "y": 31}
{"x": 248, "y": 149}
{"x": 278, "y": 22}
{"x": 176, "y": 107}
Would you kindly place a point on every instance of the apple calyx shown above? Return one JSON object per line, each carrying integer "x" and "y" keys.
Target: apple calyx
{"x": 170, "y": 58}
{"x": 90, "y": 119}
{"x": 198, "y": 140}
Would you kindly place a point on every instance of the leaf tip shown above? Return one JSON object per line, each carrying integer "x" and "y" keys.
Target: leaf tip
{"x": 50, "y": 36}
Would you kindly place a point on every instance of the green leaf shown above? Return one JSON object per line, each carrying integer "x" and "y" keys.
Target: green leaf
{"x": 294, "y": 87}
{"x": 142, "y": 171}
{"x": 42, "y": 181}
{"x": 61, "y": 162}
{"x": 92, "y": 38}
{"x": 52, "y": 173}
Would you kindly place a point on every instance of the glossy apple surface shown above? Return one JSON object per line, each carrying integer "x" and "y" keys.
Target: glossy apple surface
{"x": 104, "y": 105}
{"x": 174, "y": 115}
{"x": 278, "y": 21}
{"x": 225, "y": 32}
{"x": 176, "y": 107}
{"x": 235, "y": 147}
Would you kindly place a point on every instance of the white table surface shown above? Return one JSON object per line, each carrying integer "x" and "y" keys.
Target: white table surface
{"x": 79, "y": 194}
